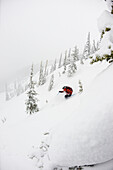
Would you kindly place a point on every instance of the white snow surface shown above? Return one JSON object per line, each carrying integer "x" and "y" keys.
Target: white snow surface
{"x": 106, "y": 44}
{"x": 109, "y": 4}
{"x": 85, "y": 137}
{"x": 81, "y": 128}
{"x": 105, "y": 21}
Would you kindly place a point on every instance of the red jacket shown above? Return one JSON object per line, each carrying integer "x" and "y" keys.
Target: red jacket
{"x": 68, "y": 90}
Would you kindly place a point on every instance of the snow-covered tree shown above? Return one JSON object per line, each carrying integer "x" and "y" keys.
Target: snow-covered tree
{"x": 51, "y": 83}
{"x": 93, "y": 48}
{"x": 54, "y": 67}
{"x": 75, "y": 54}
{"x": 105, "y": 24}
{"x": 51, "y": 69}
{"x": 15, "y": 87}
{"x": 80, "y": 87}
{"x": 41, "y": 76}
{"x": 110, "y": 5}
{"x": 87, "y": 48}
{"x": 60, "y": 61}
{"x": 7, "y": 97}
{"x": 45, "y": 73}
{"x": 19, "y": 89}
{"x": 112, "y": 9}
{"x": 31, "y": 103}
{"x": 65, "y": 62}
{"x": 72, "y": 67}
{"x": 69, "y": 56}
{"x": 26, "y": 86}
{"x": 70, "y": 70}
{"x": 81, "y": 60}
{"x": 98, "y": 45}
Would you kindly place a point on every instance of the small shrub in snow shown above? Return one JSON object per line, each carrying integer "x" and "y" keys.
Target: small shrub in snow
{"x": 104, "y": 57}
{"x": 80, "y": 87}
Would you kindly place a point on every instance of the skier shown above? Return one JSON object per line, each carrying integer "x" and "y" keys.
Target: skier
{"x": 68, "y": 91}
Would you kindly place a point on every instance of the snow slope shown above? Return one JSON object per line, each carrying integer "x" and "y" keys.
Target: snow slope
{"x": 88, "y": 138}
{"x": 79, "y": 127}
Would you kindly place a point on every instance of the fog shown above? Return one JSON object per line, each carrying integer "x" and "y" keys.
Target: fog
{"x": 35, "y": 30}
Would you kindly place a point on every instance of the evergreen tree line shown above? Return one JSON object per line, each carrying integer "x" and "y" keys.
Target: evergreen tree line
{"x": 32, "y": 101}
{"x": 68, "y": 62}
{"x": 68, "y": 65}
{"x": 15, "y": 89}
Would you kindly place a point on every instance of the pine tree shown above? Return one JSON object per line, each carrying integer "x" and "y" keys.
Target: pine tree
{"x": 112, "y": 7}
{"x": 75, "y": 54}
{"x": 74, "y": 59}
{"x": 7, "y": 97}
{"x": 31, "y": 103}
{"x": 69, "y": 56}
{"x": 70, "y": 70}
{"x": 81, "y": 59}
{"x": 93, "y": 49}
{"x": 74, "y": 67}
{"x": 41, "y": 82}
{"x": 65, "y": 62}
{"x": 15, "y": 87}
{"x": 20, "y": 89}
{"x": 54, "y": 67}
{"x": 80, "y": 87}
{"x": 45, "y": 73}
{"x": 60, "y": 61}
{"x": 87, "y": 48}
{"x": 51, "y": 82}
{"x": 97, "y": 45}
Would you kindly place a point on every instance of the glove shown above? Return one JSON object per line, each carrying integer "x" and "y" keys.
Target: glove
{"x": 61, "y": 91}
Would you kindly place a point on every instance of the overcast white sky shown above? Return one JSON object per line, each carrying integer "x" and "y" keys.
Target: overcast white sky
{"x": 32, "y": 30}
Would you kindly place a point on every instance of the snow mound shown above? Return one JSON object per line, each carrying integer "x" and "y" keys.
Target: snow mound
{"x": 86, "y": 136}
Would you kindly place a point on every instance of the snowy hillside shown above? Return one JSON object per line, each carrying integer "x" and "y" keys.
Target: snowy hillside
{"x": 50, "y": 132}
{"x": 79, "y": 128}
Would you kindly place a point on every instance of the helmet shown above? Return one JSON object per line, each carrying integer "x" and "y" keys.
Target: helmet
{"x": 64, "y": 87}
